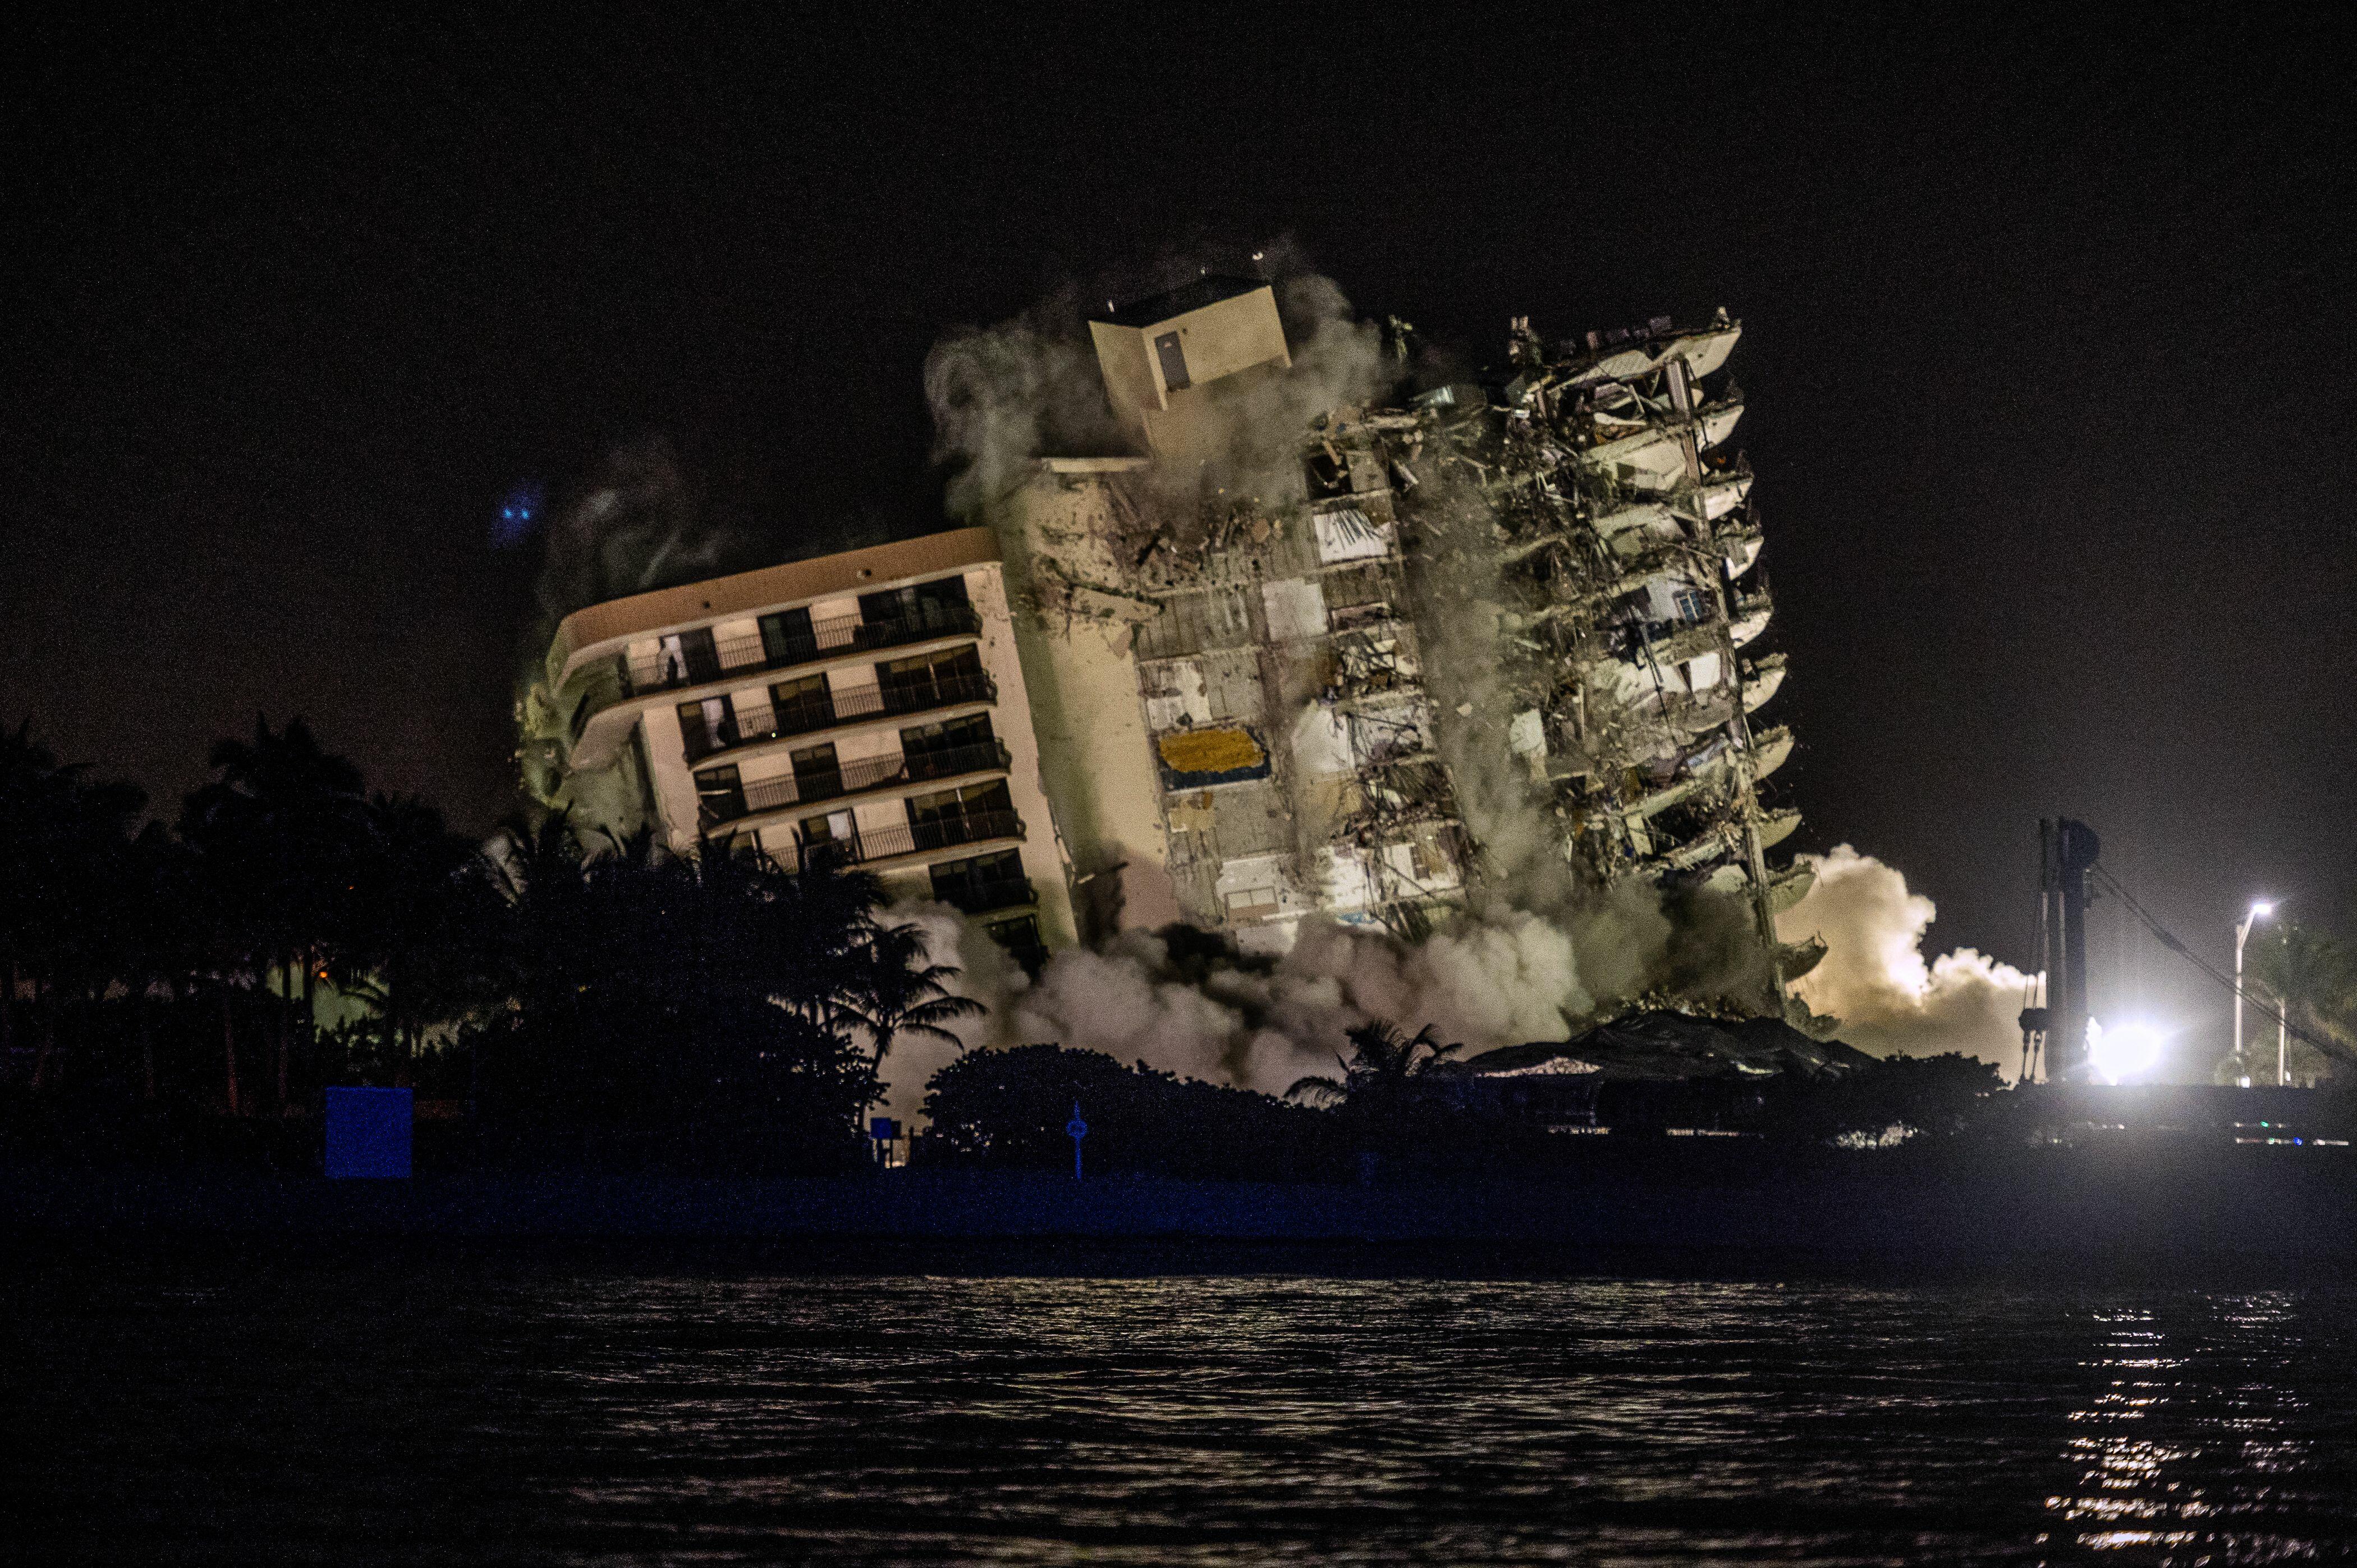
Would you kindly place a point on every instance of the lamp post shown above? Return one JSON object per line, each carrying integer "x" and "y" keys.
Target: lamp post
{"x": 2260, "y": 910}
{"x": 2283, "y": 1043}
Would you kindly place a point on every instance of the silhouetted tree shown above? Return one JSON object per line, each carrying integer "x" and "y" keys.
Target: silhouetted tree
{"x": 281, "y": 836}
{"x": 2310, "y": 974}
{"x": 1007, "y": 1109}
{"x": 1384, "y": 1073}
{"x": 901, "y": 992}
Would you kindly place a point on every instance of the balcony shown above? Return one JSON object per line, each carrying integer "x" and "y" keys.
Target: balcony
{"x": 707, "y": 659}
{"x": 829, "y": 709}
{"x": 851, "y": 778}
{"x": 865, "y": 846}
{"x": 966, "y": 827}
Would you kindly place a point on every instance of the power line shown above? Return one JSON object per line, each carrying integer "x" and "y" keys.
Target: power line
{"x": 2330, "y": 1048}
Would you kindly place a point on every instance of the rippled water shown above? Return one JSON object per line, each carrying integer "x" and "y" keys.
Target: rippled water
{"x": 215, "y": 1410}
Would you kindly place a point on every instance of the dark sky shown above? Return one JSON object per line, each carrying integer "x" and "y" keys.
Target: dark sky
{"x": 2048, "y": 345}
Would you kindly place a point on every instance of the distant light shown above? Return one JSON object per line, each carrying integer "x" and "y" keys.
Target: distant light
{"x": 2130, "y": 1050}
{"x": 507, "y": 512}
{"x": 2261, "y": 909}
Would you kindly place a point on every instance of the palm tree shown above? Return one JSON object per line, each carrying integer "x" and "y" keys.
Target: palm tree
{"x": 416, "y": 946}
{"x": 2311, "y": 978}
{"x": 1384, "y": 1071}
{"x": 64, "y": 859}
{"x": 902, "y": 992}
{"x": 280, "y": 835}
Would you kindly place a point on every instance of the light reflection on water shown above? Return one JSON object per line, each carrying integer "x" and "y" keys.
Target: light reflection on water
{"x": 552, "y": 1413}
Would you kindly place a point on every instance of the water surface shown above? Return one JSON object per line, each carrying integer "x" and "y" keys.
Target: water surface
{"x": 219, "y": 1409}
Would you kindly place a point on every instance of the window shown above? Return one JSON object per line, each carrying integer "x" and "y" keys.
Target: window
{"x": 707, "y": 727}
{"x": 833, "y": 828}
{"x": 920, "y": 740}
{"x": 937, "y": 603}
{"x": 719, "y": 795}
{"x": 932, "y": 679}
{"x": 965, "y": 802}
{"x": 817, "y": 774}
{"x": 1174, "y": 360}
{"x": 802, "y": 704}
{"x": 985, "y": 882}
{"x": 1694, "y": 603}
{"x": 682, "y": 657}
{"x": 787, "y": 635}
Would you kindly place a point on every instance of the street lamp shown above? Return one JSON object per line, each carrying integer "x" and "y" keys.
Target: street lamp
{"x": 2260, "y": 910}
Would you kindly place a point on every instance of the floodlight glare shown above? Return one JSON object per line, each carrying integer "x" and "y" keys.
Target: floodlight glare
{"x": 2261, "y": 909}
{"x": 2131, "y": 1050}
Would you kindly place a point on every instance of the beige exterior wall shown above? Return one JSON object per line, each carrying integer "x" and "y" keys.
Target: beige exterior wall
{"x": 1125, "y": 357}
{"x": 1095, "y": 763}
{"x": 1217, "y": 339}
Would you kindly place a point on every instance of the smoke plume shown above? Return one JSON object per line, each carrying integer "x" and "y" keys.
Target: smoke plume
{"x": 636, "y": 527}
{"x": 1890, "y": 999}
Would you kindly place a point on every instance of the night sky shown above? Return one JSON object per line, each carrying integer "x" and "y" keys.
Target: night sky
{"x": 2047, "y": 344}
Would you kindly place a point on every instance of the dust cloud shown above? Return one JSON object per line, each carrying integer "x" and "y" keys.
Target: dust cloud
{"x": 1892, "y": 1001}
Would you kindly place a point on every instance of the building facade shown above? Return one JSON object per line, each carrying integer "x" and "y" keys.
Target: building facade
{"x": 867, "y": 708}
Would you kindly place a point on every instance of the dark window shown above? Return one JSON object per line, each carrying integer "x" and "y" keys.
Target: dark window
{"x": 707, "y": 727}
{"x": 937, "y": 603}
{"x": 720, "y": 795}
{"x": 817, "y": 774}
{"x": 932, "y": 677}
{"x": 787, "y": 635}
{"x": 683, "y": 658}
{"x": 1174, "y": 360}
{"x": 957, "y": 735}
{"x": 801, "y": 705}
{"x": 974, "y": 800}
{"x": 986, "y": 881}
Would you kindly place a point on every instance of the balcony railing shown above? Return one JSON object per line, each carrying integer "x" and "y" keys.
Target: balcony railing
{"x": 852, "y": 779}
{"x": 693, "y": 666}
{"x": 966, "y": 827}
{"x": 979, "y": 897}
{"x": 808, "y": 715}
{"x": 864, "y": 845}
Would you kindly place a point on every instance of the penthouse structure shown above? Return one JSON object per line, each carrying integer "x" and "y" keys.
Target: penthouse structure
{"x": 865, "y": 708}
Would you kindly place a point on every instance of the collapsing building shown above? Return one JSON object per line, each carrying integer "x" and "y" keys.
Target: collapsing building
{"x": 1287, "y": 647}
{"x": 1233, "y": 657}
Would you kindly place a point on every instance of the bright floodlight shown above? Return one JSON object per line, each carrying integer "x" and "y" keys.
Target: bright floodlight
{"x": 2261, "y": 909}
{"x": 2131, "y": 1050}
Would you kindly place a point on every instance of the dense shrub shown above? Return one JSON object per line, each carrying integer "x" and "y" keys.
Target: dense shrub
{"x": 1007, "y": 1110}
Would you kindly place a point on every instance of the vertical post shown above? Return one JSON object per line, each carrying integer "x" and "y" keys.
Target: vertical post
{"x": 2075, "y": 943}
{"x": 2242, "y": 935}
{"x": 1076, "y": 1130}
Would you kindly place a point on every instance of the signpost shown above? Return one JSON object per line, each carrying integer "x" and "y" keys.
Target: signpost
{"x": 1077, "y": 1130}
